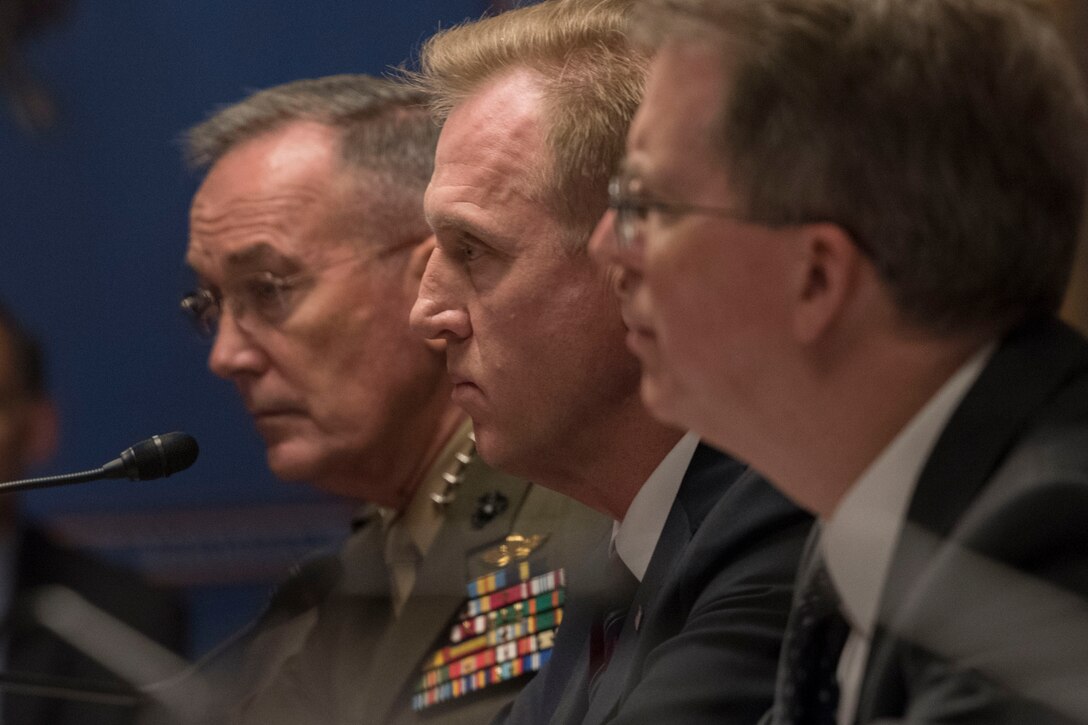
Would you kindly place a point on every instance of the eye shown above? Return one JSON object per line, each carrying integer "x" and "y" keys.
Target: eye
{"x": 266, "y": 293}
{"x": 468, "y": 252}
{"x": 465, "y": 248}
{"x": 265, "y": 286}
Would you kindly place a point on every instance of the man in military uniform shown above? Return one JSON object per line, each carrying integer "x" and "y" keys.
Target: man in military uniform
{"x": 309, "y": 241}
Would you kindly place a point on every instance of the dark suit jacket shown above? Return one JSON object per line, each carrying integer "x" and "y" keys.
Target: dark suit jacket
{"x": 985, "y": 615}
{"x": 155, "y": 612}
{"x": 348, "y": 660}
{"x": 701, "y": 638}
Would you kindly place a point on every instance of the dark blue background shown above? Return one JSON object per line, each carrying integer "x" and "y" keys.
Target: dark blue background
{"x": 94, "y": 229}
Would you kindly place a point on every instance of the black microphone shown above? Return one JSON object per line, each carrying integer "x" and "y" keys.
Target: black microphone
{"x": 156, "y": 457}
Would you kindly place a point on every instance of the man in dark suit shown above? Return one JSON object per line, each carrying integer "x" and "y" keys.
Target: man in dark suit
{"x": 692, "y": 585}
{"x": 845, "y": 228}
{"x": 36, "y": 659}
{"x": 308, "y": 240}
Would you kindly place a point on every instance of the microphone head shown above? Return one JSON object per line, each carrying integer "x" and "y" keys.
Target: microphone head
{"x": 158, "y": 456}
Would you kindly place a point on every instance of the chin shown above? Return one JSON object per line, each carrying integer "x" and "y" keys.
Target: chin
{"x": 657, "y": 399}
{"x": 488, "y": 445}
{"x": 501, "y": 453}
{"x": 291, "y": 465}
{"x": 669, "y": 402}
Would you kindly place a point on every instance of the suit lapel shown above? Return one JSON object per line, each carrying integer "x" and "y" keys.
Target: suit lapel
{"x": 1031, "y": 365}
{"x": 705, "y": 480}
{"x": 590, "y": 596}
{"x": 611, "y": 684}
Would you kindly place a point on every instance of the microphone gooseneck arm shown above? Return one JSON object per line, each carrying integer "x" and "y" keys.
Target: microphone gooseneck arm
{"x": 62, "y": 480}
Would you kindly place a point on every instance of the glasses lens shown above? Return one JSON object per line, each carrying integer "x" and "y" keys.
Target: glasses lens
{"x": 628, "y": 212}
{"x": 267, "y": 295}
{"x": 202, "y": 309}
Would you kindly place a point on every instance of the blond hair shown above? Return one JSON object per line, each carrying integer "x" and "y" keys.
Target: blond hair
{"x": 591, "y": 81}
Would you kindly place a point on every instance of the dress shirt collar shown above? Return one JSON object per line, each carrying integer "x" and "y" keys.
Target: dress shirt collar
{"x": 635, "y": 538}
{"x": 859, "y": 539}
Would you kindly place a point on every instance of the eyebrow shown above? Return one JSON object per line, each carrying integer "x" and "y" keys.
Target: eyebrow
{"x": 455, "y": 223}
{"x": 255, "y": 254}
{"x": 261, "y": 254}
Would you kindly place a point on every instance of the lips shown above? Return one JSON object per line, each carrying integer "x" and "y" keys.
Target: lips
{"x": 273, "y": 411}
{"x": 466, "y": 393}
{"x": 279, "y": 413}
{"x": 458, "y": 379}
{"x": 464, "y": 385}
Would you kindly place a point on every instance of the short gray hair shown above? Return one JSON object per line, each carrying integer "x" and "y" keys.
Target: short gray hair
{"x": 385, "y": 130}
{"x": 950, "y": 137}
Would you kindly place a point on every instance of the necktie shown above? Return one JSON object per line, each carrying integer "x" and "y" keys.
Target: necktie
{"x": 808, "y": 692}
{"x": 603, "y": 643}
{"x": 608, "y": 624}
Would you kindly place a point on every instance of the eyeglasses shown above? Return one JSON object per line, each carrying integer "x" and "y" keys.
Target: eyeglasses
{"x": 255, "y": 299}
{"x": 632, "y": 210}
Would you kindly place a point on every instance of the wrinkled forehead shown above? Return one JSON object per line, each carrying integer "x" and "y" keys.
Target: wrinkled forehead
{"x": 283, "y": 233}
{"x": 234, "y": 249}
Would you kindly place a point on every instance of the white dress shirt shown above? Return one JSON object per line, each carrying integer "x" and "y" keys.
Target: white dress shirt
{"x": 859, "y": 539}
{"x": 635, "y": 538}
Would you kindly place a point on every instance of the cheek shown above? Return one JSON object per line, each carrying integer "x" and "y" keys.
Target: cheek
{"x": 679, "y": 295}
{"x": 700, "y": 315}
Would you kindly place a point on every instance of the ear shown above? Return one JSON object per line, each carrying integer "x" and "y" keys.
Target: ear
{"x": 828, "y": 268}
{"x": 42, "y": 432}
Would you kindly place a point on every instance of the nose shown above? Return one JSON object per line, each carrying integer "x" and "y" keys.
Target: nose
{"x": 234, "y": 351}
{"x": 623, "y": 266}
{"x": 436, "y": 314}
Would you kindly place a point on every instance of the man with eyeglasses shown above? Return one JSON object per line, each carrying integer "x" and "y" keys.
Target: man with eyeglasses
{"x": 692, "y": 586}
{"x": 308, "y": 240}
{"x": 843, "y": 230}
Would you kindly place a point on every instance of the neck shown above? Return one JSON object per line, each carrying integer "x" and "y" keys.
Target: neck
{"x": 846, "y": 413}
{"x": 606, "y": 471}
{"x": 449, "y": 422}
{"x": 389, "y": 472}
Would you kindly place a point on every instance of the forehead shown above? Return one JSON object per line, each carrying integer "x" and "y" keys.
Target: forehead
{"x": 259, "y": 197}
{"x": 678, "y": 118}
{"x": 492, "y": 149}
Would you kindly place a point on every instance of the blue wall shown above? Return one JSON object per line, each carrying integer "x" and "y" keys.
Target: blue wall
{"x": 94, "y": 220}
